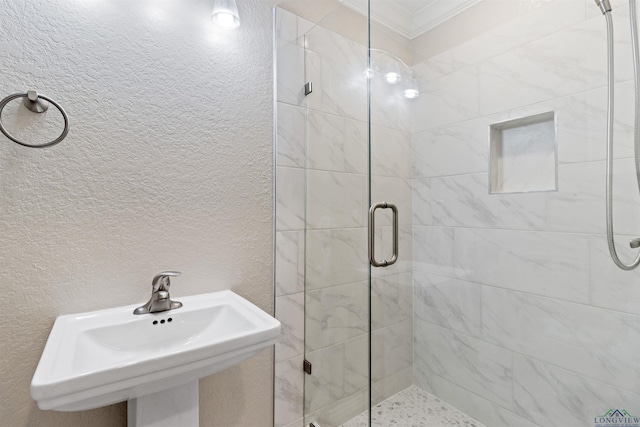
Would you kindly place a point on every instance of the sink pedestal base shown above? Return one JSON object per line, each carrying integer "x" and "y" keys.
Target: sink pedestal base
{"x": 177, "y": 406}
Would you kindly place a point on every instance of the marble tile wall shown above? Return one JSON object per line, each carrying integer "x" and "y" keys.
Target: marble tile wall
{"x": 322, "y": 199}
{"x": 520, "y": 316}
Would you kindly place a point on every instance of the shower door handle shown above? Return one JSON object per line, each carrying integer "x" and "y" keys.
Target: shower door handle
{"x": 372, "y": 234}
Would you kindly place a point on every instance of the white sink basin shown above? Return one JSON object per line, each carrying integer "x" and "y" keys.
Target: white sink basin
{"x": 103, "y": 357}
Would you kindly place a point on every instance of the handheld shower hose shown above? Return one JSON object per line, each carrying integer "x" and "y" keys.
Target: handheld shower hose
{"x": 605, "y": 7}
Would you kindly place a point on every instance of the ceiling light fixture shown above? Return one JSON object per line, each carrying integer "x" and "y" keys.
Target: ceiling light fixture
{"x": 225, "y": 14}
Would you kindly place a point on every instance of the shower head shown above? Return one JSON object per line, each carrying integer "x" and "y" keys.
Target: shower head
{"x": 604, "y": 5}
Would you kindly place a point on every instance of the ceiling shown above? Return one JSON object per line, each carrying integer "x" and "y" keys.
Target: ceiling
{"x": 410, "y": 18}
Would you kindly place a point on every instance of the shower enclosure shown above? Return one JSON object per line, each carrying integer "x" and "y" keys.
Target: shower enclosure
{"x": 473, "y": 135}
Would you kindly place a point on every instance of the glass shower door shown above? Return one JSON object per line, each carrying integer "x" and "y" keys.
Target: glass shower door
{"x": 358, "y": 318}
{"x": 390, "y": 185}
{"x": 336, "y": 387}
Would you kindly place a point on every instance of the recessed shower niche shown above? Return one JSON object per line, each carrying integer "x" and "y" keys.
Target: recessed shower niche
{"x": 523, "y": 154}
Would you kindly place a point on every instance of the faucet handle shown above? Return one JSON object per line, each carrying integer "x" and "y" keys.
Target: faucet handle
{"x": 162, "y": 282}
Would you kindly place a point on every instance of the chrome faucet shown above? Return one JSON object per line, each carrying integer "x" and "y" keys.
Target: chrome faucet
{"x": 160, "y": 299}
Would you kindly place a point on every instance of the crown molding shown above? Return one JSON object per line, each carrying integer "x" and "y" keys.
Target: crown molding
{"x": 436, "y": 13}
{"x": 404, "y": 22}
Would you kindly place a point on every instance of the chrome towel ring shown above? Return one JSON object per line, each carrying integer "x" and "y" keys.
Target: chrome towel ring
{"x": 33, "y": 103}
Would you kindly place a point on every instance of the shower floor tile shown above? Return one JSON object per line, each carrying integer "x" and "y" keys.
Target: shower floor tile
{"x": 413, "y": 407}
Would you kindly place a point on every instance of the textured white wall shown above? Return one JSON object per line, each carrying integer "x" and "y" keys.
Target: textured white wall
{"x": 168, "y": 165}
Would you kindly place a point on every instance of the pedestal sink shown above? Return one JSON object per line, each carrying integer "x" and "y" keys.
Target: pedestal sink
{"x": 153, "y": 361}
